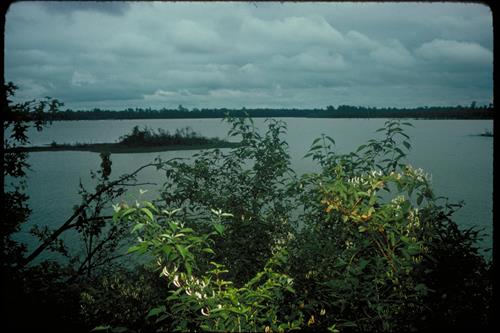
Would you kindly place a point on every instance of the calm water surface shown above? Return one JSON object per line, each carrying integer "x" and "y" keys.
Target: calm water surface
{"x": 461, "y": 163}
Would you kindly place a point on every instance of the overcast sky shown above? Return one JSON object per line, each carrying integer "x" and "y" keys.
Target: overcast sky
{"x": 131, "y": 54}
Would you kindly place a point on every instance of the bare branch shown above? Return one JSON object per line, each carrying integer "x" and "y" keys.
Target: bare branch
{"x": 68, "y": 225}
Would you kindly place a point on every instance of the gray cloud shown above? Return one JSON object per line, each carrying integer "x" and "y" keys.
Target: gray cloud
{"x": 465, "y": 53}
{"x": 134, "y": 54}
{"x": 68, "y": 8}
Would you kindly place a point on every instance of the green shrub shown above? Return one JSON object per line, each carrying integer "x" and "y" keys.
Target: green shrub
{"x": 250, "y": 182}
{"x": 204, "y": 299}
{"x": 361, "y": 245}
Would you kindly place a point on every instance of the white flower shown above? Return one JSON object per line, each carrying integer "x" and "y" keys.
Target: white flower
{"x": 176, "y": 281}
{"x": 398, "y": 200}
{"x": 116, "y": 208}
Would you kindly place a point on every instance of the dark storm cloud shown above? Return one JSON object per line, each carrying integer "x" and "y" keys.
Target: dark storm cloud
{"x": 117, "y": 55}
{"x": 67, "y": 7}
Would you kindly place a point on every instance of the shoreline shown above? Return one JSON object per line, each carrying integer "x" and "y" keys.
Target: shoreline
{"x": 402, "y": 117}
{"x": 116, "y": 148}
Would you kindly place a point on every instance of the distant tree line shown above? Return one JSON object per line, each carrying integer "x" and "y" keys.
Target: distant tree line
{"x": 341, "y": 111}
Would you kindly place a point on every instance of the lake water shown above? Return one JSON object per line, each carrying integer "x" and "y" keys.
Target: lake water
{"x": 460, "y": 162}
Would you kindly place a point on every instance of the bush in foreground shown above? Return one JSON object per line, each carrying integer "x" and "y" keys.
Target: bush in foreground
{"x": 367, "y": 247}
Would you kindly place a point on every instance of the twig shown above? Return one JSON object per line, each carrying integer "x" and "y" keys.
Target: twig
{"x": 67, "y": 224}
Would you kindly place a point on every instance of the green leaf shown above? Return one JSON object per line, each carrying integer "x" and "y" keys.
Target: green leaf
{"x": 330, "y": 139}
{"x": 156, "y": 311}
{"x": 392, "y": 239}
{"x": 413, "y": 249}
{"x": 141, "y": 248}
{"x": 182, "y": 250}
{"x": 162, "y": 318}
{"x": 101, "y": 328}
{"x": 361, "y": 148}
{"x": 127, "y": 212}
{"x": 208, "y": 250}
{"x": 315, "y": 141}
{"x": 400, "y": 151}
{"x": 407, "y": 144}
{"x": 167, "y": 249}
{"x": 403, "y": 134}
{"x": 188, "y": 268}
{"x": 173, "y": 226}
{"x": 150, "y": 206}
{"x": 138, "y": 226}
{"x": 119, "y": 329}
{"x": 316, "y": 147}
{"x": 148, "y": 213}
{"x": 219, "y": 228}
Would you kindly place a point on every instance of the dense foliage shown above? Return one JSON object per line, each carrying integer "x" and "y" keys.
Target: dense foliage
{"x": 362, "y": 245}
{"x": 236, "y": 241}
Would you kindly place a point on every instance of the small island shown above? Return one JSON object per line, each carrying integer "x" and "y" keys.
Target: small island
{"x": 486, "y": 133}
{"x": 144, "y": 140}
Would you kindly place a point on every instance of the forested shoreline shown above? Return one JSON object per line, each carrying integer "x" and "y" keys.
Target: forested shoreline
{"x": 341, "y": 111}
